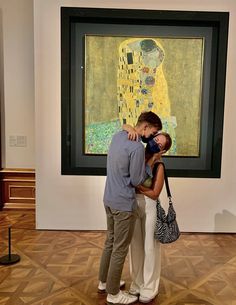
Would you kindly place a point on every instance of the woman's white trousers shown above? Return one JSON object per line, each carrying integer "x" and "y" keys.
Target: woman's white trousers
{"x": 145, "y": 251}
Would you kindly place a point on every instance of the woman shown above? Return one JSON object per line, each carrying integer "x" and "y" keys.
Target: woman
{"x": 145, "y": 251}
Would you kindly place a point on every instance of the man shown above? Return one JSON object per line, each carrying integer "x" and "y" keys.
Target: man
{"x": 125, "y": 170}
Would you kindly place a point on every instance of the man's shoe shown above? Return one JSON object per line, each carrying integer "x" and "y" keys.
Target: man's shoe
{"x": 121, "y": 297}
{"x": 102, "y": 286}
{"x": 144, "y": 299}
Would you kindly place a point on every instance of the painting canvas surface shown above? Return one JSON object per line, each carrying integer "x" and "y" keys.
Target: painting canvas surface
{"x": 127, "y": 75}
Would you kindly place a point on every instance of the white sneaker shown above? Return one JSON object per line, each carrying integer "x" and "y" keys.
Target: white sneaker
{"x": 134, "y": 291}
{"x": 121, "y": 297}
{"x": 144, "y": 299}
{"x": 102, "y": 286}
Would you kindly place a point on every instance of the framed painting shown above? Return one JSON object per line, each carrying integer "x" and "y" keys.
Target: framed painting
{"x": 118, "y": 63}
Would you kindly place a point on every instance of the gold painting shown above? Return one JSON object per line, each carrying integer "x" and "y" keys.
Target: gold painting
{"x": 125, "y": 76}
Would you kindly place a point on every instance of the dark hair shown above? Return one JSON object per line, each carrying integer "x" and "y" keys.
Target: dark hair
{"x": 151, "y": 118}
{"x": 168, "y": 140}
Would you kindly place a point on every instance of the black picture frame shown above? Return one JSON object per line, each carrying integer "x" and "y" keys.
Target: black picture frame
{"x": 77, "y": 22}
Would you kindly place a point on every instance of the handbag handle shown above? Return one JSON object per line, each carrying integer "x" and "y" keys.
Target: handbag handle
{"x": 166, "y": 182}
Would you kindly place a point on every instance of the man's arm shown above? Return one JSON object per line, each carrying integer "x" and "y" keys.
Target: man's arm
{"x": 137, "y": 166}
{"x": 138, "y": 170}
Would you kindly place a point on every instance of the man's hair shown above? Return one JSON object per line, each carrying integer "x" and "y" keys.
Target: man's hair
{"x": 151, "y": 118}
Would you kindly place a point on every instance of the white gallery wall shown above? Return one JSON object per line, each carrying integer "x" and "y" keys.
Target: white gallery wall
{"x": 17, "y": 83}
{"x": 75, "y": 202}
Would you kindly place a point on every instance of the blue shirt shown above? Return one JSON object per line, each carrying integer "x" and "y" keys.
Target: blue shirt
{"x": 125, "y": 170}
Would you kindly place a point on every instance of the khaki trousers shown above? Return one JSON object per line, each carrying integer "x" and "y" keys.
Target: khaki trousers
{"x": 145, "y": 251}
{"x": 120, "y": 227}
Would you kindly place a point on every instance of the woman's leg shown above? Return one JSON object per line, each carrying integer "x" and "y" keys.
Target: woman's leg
{"x": 152, "y": 253}
{"x": 137, "y": 249}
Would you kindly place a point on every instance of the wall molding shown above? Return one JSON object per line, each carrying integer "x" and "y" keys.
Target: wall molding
{"x": 17, "y": 188}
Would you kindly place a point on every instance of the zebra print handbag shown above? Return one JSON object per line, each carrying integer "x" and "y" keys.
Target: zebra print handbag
{"x": 167, "y": 229}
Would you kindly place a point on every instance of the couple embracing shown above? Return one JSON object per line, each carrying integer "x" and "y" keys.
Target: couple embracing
{"x": 135, "y": 178}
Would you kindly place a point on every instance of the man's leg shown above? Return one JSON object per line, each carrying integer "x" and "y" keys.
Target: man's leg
{"x": 123, "y": 230}
{"x": 108, "y": 246}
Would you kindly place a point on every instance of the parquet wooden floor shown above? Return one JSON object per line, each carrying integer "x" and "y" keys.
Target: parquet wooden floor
{"x": 61, "y": 267}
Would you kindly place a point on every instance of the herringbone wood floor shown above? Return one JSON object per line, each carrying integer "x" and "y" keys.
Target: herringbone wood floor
{"x": 61, "y": 267}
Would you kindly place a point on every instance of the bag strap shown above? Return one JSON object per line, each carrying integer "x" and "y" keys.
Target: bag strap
{"x": 166, "y": 181}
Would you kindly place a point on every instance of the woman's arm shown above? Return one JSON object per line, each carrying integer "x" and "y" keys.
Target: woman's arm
{"x": 132, "y": 134}
{"x": 157, "y": 185}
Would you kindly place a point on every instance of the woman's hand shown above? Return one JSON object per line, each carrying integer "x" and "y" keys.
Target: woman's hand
{"x": 132, "y": 134}
{"x": 142, "y": 188}
{"x": 157, "y": 157}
